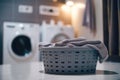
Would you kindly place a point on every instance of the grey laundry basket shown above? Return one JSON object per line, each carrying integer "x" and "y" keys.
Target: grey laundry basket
{"x": 69, "y": 60}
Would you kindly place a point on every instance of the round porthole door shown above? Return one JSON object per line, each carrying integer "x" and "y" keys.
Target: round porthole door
{"x": 21, "y": 47}
{"x": 59, "y": 37}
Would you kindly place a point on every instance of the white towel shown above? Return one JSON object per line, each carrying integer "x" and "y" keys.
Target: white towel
{"x": 61, "y": 43}
{"x": 67, "y": 41}
{"x": 103, "y": 52}
{"x": 81, "y": 42}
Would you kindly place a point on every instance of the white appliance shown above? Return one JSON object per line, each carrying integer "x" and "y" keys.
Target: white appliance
{"x": 53, "y": 34}
{"x": 20, "y": 42}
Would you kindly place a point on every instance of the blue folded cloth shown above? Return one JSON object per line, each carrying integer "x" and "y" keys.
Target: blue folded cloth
{"x": 82, "y": 42}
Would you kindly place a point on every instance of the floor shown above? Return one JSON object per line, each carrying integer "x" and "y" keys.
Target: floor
{"x": 35, "y": 71}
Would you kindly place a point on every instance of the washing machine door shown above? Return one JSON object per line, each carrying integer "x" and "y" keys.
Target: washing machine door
{"x": 21, "y": 46}
{"x": 59, "y": 37}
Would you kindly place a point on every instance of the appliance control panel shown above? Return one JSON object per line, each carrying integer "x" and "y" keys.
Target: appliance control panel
{"x": 25, "y": 9}
{"x": 48, "y": 10}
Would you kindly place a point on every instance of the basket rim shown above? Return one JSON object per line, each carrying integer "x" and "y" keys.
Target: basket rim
{"x": 64, "y": 48}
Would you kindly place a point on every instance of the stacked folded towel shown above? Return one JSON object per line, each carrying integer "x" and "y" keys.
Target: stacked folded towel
{"x": 81, "y": 42}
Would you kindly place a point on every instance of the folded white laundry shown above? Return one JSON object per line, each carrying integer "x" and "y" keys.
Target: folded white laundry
{"x": 67, "y": 41}
{"x": 61, "y": 43}
{"x": 81, "y": 42}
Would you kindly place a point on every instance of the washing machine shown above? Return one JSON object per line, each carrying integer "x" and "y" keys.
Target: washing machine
{"x": 52, "y": 34}
{"x": 20, "y": 42}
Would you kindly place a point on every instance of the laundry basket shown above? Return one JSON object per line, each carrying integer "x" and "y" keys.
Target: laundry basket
{"x": 69, "y": 60}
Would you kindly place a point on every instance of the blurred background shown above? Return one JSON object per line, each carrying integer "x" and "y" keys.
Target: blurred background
{"x": 50, "y": 21}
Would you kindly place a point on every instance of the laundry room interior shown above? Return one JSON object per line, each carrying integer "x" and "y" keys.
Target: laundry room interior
{"x": 75, "y": 39}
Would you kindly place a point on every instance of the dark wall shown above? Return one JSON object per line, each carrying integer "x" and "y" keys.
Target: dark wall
{"x": 9, "y": 12}
{"x": 1, "y": 44}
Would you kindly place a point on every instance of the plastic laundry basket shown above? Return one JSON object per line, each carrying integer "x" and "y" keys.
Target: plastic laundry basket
{"x": 69, "y": 60}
